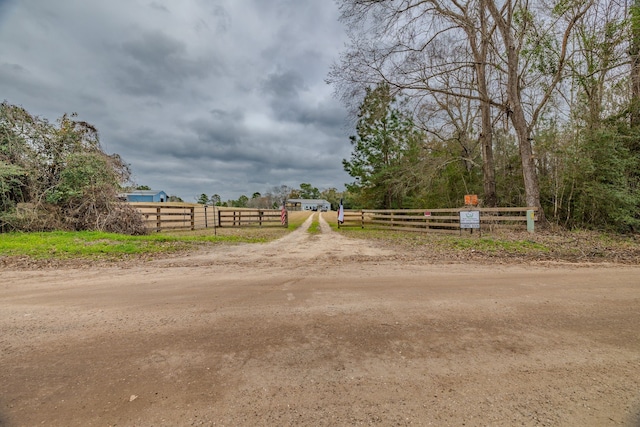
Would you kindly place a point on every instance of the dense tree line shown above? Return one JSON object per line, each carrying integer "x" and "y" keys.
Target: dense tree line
{"x": 274, "y": 198}
{"x": 524, "y": 103}
{"x": 56, "y": 176}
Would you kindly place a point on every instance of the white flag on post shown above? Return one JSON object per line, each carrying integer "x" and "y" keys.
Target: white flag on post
{"x": 341, "y": 213}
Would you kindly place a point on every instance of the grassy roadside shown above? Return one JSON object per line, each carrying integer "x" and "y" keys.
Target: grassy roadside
{"x": 581, "y": 246}
{"x": 93, "y": 245}
{"x": 508, "y": 246}
{"x": 556, "y": 245}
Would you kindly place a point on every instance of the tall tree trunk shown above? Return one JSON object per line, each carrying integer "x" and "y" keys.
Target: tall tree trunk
{"x": 486, "y": 134}
{"x": 515, "y": 110}
{"x": 479, "y": 42}
{"x": 488, "y": 165}
{"x": 529, "y": 172}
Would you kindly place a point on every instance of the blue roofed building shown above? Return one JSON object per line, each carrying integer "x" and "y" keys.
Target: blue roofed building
{"x": 145, "y": 196}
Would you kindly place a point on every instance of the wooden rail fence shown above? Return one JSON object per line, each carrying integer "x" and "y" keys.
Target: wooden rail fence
{"x": 251, "y": 217}
{"x": 190, "y": 216}
{"x": 171, "y": 216}
{"x": 352, "y": 219}
{"x": 437, "y": 220}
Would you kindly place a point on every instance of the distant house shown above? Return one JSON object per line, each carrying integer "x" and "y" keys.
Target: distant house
{"x": 145, "y": 196}
{"x": 308, "y": 205}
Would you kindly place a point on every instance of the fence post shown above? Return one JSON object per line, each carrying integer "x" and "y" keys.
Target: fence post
{"x": 158, "y": 220}
{"x": 531, "y": 215}
{"x": 361, "y": 218}
{"x": 193, "y": 218}
{"x": 260, "y": 218}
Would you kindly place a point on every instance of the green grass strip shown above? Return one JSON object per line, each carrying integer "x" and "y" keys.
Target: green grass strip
{"x": 314, "y": 228}
{"x": 92, "y": 244}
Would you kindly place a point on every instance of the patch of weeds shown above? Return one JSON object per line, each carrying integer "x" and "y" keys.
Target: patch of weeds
{"x": 492, "y": 245}
{"x": 314, "y": 228}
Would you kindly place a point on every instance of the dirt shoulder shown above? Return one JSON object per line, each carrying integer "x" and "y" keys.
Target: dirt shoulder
{"x": 320, "y": 330}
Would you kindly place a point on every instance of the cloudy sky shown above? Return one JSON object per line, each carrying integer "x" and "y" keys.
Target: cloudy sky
{"x": 199, "y": 96}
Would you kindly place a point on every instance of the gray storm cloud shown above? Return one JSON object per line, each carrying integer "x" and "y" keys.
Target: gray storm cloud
{"x": 199, "y": 97}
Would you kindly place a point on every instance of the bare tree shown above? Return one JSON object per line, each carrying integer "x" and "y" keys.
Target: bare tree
{"x": 600, "y": 66}
{"x": 519, "y": 29}
{"x": 414, "y": 44}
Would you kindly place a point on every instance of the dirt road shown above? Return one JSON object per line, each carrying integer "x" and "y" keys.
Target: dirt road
{"x": 320, "y": 330}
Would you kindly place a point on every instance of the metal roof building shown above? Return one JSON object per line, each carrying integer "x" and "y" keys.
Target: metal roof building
{"x": 308, "y": 205}
{"x": 145, "y": 196}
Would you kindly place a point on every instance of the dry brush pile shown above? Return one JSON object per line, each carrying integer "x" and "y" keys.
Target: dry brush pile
{"x": 57, "y": 177}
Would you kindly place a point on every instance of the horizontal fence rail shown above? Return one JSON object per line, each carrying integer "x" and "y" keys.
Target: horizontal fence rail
{"x": 188, "y": 216}
{"x": 352, "y": 219}
{"x": 251, "y": 217}
{"x": 437, "y": 220}
{"x": 192, "y": 216}
{"x": 171, "y": 216}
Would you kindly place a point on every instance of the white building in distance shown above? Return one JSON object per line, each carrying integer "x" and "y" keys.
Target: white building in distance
{"x": 308, "y": 205}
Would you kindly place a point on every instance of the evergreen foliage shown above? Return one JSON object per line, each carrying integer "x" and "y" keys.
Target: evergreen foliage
{"x": 386, "y": 141}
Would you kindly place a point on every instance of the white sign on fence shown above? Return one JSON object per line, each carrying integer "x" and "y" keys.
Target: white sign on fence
{"x": 470, "y": 219}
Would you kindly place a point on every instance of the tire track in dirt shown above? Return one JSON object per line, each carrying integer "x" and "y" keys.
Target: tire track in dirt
{"x": 296, "y": 248}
